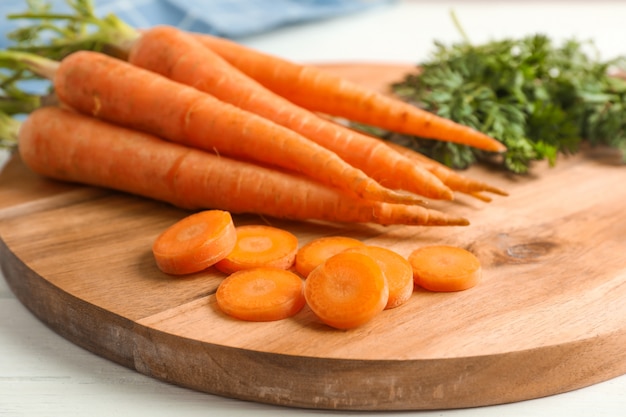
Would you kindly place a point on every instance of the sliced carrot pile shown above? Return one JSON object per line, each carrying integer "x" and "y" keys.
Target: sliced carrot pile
{"x": 261, "y": 294}
{"x": 319, "y": 250}
{"x": 445, "y": 268}
{"x": 195, "y": 243}
{"x": 397, "y": 270}
{"x": 260, "y": 246}
{"x": 347, "y": 290}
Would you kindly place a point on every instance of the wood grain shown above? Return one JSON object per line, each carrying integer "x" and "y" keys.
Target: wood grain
{"x": 549, "y": 315}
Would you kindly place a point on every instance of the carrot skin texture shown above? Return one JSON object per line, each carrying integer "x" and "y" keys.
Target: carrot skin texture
{"x": 179, "y": 56}
{"x": 195, "y": 242}
{"x": 90, "y": 151}
{"x": 122, "y": 93}
{"x": 299, "y": 84}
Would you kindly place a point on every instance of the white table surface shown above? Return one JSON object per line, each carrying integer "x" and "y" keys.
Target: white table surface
{"x": 42, "y": 374}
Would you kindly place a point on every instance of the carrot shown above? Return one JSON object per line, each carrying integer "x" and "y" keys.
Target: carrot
{"x": 445, "y": 268}
{"x": 347, "y": 290}
{"x": 261, "y": 294}
{"x": 315, "y": 252}
{"x": 448, "y": 176}
{"x": 397, "y": 270}
{"x": 260, "y": 246}
{"x": 68, "y": 146}
{"x": 179, "y": 56}
{"x": 122, "y": 93}
{"x": 321, "y": 91}
{"x": 195, "y": 243}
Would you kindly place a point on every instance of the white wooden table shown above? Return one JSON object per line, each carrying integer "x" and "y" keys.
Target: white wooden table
{"x": 42, "y": 374}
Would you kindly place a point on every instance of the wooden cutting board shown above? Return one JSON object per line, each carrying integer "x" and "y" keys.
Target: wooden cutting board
{"x": 549, "y": 315}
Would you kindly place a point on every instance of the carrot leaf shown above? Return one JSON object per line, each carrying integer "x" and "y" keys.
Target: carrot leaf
{"x": 8, "y": 131}
{"x": 538, "y": 98}
{"x": 57, "y": 34}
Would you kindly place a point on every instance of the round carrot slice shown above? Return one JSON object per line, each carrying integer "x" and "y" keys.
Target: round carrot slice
{"x": 260, "y": 245}
{"x": 195, "y": 243}
{"x": 347, "y": 290}
{"x": 261, "y": 294}
{"x": 397, "y": 270}
{"x": 319, "y": 250}
{"x": 445, "y": 268}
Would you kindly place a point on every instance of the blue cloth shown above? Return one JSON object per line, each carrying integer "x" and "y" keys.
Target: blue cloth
{"x": 227, "y": 18}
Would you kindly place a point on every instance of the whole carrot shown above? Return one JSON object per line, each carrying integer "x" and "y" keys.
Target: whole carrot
{"x": 69, "y": 146}
{"x": 176, "y": 54}
{"x": 116, "y": 91}
{"x": 320, "y": 91}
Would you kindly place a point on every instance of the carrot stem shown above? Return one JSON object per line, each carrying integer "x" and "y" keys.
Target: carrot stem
{"x": 83, "y": 30}
{"x": 41, "y": 66}
{"x": 9, "y": 128}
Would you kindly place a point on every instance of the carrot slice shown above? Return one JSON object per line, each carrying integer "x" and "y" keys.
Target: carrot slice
{"x": 347, "y": 290}
{"x": 319, "y": 250}
{"x": 260, "y": 245}
{"x": 445, "y": 268}
{"x": 397, "y": 270}
{"x": 261, "y": 294}
{"x": 195, "y": 243}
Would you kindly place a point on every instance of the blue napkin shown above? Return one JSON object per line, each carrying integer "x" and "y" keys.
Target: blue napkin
{"x": 227, "y": 18}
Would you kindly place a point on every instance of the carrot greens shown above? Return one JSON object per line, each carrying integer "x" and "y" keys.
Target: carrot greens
{"x": 8, "y": 131}
{"x": 80, "y": 29}
{"x": 538, "y": 98}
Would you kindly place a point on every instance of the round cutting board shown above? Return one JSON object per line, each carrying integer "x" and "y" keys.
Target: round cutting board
{"x": 548, "y": 316}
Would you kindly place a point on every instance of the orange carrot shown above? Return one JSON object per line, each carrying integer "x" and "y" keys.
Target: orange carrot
{"x": 260, "y": 246}
{"x": 315, "y": 252}
{"x": 122, "y": 93}
{"x": 179, "y": 56}
{"x": 321, "y": 91}
{"x": 445, "y": 268}
{"x": 397, "y": 271}
{"x": 68, "y": 146}
{"x": 261, "y": 294}
{"x": 448, "y": 176}
{"x": 347, "y": 290}
{"x": 195, "y": 243}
